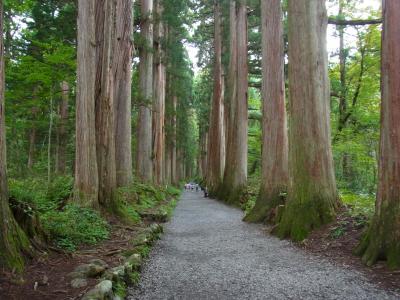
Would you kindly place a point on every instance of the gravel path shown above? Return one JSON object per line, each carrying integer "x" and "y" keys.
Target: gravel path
{"x": 207, "y": 252}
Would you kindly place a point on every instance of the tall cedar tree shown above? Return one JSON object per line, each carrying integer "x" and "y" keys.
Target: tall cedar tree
{"x": 104, "y": 101}
{"x": 274, "y": 178}
{"x": 215, "y": 144}
{"x": 312, "y": 195}
{"x": 235, "y": 175}
{"x": 86, "y": 174}
{"x": 159, "y": 86}
{"x": 123, "y": 52}
{"x": 382, "y": 240}
{"x": 144, "y": 164}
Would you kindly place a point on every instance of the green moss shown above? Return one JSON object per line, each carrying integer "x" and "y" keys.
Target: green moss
{"x": 14, "y": 247}
{"x": 266, "y": 202}
{"x": 233, "y": 196}
{"x": 393, "y": 256}
{"x": 381, "y": 241}
{"x": 304, "y": 214}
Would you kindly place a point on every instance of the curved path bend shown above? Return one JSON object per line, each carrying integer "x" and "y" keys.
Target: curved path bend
{"x": 207, "y": 252}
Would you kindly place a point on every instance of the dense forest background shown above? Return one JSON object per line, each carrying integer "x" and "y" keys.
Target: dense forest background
{"x": 40, "y": 49}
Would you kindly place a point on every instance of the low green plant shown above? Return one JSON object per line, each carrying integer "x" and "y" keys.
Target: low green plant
{"x": 249, "y": 204}
{"x": 60, "y": 188}
{"x": 173, "y": 191}
{"x": 339, "y": 230}
{"x": 169, "y": 208}
{"x": 119, "y": 289}
{"x": 74, "y": 226}
{"x": 143, "y": 250}
{"x": 134, "y": 278}
{"x": 359, "y": 204}
{"x": 39, "y": 194}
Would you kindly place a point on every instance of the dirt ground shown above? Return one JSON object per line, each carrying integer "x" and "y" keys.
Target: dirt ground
{"x": 337, "y": 242}
{"x": 46, "y": 276}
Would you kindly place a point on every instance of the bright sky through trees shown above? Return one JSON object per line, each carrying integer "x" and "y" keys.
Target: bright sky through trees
{"x": 332, "y": 38}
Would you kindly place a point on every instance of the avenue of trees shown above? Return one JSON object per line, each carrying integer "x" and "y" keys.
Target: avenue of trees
{"x": 313, "y": 120}
{"x": 98, "y": 95}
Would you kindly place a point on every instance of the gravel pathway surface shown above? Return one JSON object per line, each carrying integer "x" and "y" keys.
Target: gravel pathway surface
{"x": 207, "y": 252}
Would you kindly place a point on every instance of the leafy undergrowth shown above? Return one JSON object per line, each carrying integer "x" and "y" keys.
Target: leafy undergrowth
{"x": 69, "y": 226}
{"x": 253, "y": 186}
{"x": 358, "y": 211}
{"x": 359, "y": 204}
{"x": 138, "y": 198}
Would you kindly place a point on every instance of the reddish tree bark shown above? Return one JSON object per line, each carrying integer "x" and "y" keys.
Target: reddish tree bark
{"x": 159, "y": 97}
{"x": 123, "y": 51}
{"x": 144, "y": 164}
{"x": 235, "y": 175}
{"x": 274, "y": 177}
{"x": 216, "y": 142}
{"x": 104, "y": 101}
{"x": 86, "y": 172}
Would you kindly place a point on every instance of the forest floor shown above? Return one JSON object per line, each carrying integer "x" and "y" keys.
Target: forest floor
{"x": 50, "y": 271}
{"x": 337, "y": 241}
{"x": 207, "y": 252}
{"x": 47, "y": 276}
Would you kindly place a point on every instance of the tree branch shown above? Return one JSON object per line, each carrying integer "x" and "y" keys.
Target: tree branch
{"x": 335, "y": 21}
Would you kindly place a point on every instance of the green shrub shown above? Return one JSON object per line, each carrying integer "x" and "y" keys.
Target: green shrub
{"x": 173, "y": 191}
{"x": 60, "y": 188}
{"x": 32, "y": 192}
{"x": 37, "y": 193}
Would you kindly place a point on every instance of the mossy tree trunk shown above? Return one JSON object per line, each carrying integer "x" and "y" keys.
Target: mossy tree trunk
{"x": 13, "y": 241}
{"x": 144, "y": 163}
{"x": 215, "y": 143}
{"x": 86, "y": 173}
{"x": 382, "y": 240}
{"x": 312, "y": 194}
{"x": 123, "y": 51}
{"x": 235, "y": 175}
{"x": 274, "y": 177}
